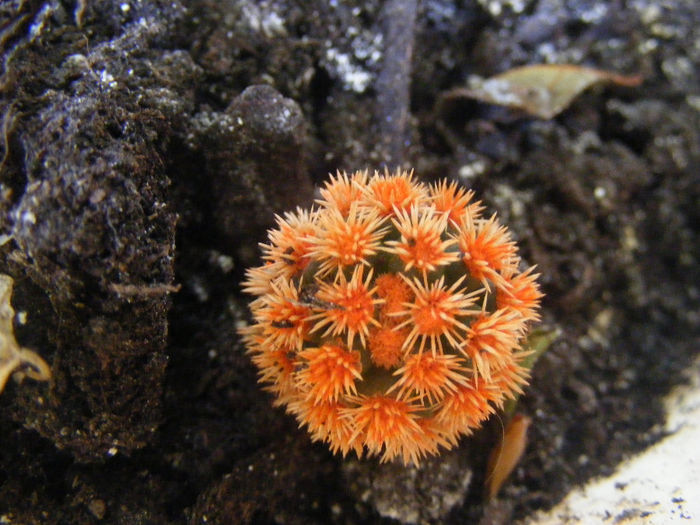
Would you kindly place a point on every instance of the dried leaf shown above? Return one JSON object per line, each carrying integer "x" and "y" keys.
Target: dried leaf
{"x": 542, "y": 90}
{"x": 506, "y": 455}
{"x": 14, "y": 358}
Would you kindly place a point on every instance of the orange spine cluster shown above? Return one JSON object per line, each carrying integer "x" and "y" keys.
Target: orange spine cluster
{"x": 391, "y": 318}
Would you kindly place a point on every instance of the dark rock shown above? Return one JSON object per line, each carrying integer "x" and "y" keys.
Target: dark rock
{"x": 256, "y": 161}
{"x": 411, "y": 494}
{"x": 92, "y": 228}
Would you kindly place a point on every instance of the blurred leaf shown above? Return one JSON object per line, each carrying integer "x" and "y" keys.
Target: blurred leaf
{"x": 538, "y": 342}
{"x": 506, "y": 455}
{"x": 542, "y": 90}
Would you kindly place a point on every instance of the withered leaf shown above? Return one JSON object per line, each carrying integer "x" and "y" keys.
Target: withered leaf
{"x": 14, "y": 358}
{"x": 542, "y": 90}
{"x": 506, "y": 455}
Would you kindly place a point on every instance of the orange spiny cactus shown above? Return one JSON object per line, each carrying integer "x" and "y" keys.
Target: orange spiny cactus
{"x": 390, "y": 320}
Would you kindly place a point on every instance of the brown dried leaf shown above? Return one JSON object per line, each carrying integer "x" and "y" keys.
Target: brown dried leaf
{"x": 505, "y": 456}
{"x": 14, "y": 358}
{"x": 542, "y": 90}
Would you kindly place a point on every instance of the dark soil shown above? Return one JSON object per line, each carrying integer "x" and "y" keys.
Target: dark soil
{"x": 145, "y": 149}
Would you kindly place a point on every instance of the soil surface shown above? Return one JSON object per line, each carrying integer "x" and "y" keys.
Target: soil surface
{"x": 146, "y": 146}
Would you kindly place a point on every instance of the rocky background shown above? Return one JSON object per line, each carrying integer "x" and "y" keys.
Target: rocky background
{"x": 145, "y": 148}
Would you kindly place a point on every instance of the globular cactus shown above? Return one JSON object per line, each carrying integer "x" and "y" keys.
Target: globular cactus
{"x": 390, "y": 319}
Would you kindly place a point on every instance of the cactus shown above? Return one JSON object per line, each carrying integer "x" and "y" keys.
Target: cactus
{"x": 390, "y": 319}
